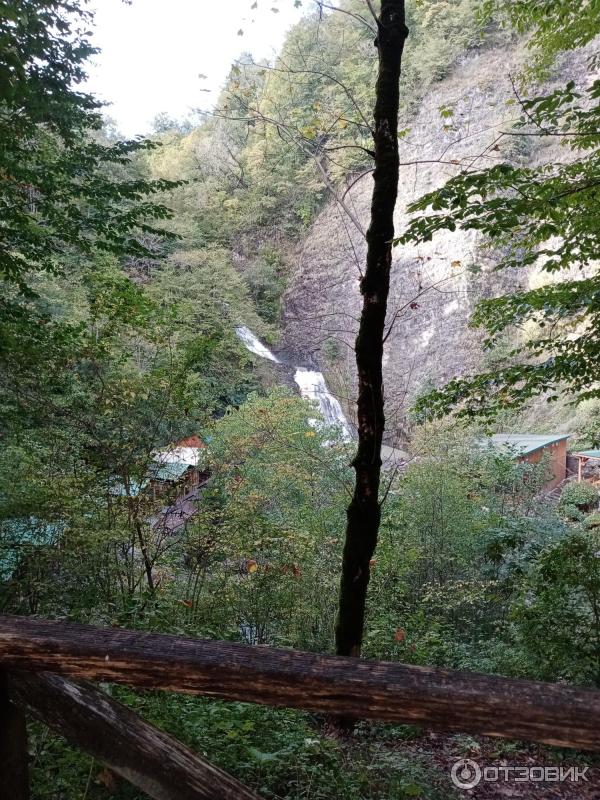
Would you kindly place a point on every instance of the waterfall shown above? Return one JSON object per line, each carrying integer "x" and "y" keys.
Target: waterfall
{"x": 313, "y": 387}
{"x": 310, "y": 382}
{"x": 254, "y": 344}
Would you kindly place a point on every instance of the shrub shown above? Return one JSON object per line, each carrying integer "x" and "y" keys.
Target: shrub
{"x": 557, "y": 611}
{"x": 582, "y": 495}
{"x": 279, "y": 752}
{"x": 593, "y": 521}
{"x": 572, "y": 513}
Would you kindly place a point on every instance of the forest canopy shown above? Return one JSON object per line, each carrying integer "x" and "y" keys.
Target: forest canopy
{"x": 182, "y": 449}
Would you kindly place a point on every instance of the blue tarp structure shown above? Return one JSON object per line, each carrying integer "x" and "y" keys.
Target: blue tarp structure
{"x": 19, "y": 536}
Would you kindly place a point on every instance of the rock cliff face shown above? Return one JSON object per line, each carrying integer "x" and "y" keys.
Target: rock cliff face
{"x": 434, "y": 286}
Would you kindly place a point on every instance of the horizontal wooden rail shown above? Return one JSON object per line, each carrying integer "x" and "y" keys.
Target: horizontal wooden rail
{"x": 435, "y": 698}
{"x": 142, "y": 754}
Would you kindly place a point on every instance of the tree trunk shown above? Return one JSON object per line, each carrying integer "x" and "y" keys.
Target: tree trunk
{"x": 13, "y": 746}
{"x": 364, "y": 512}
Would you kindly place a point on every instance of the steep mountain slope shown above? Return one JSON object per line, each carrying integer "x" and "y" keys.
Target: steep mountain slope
{"x": 434, "y": 286}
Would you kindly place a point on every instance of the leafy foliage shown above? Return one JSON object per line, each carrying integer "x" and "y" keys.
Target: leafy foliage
{"x": 97, "y": 368}
{"x": 553, "y": 26}
{"x": 117, "y": 338}
{"x": 460, "y": 532}
{"x": 288, "y": 134}
{"x": 572, "y": 513}
{"x": 280, "y": 752}
{"x": 558, "y": 614}
{"x": 581, "y": 495}
{"x": 56, "y": 190}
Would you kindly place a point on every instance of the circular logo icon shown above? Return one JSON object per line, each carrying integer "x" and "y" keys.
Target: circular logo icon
{"x": 465, "y": 773}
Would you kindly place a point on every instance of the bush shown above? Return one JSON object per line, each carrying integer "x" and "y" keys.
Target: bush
{"x": 557, "y": 612}
{"x": 279, "y": 752}
{"x": 593, "y": 521}
{"x": 581, "y": 495}
{"x": 572, "y": 513}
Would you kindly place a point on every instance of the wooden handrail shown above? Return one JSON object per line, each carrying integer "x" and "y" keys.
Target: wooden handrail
{"x": 436, "y": 698}
{"x": 145, "y": 756}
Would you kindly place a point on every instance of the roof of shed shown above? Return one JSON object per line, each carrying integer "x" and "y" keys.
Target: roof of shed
{"x": 167, "y": 472}
{"x": 588, "y": 453}
{"x": 525, "y": 443}
{"x": 179, "y": 455}
{"x": 17, "y": 535}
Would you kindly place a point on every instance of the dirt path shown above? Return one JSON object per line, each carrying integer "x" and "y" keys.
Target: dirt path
{"x": 445, "y": 751}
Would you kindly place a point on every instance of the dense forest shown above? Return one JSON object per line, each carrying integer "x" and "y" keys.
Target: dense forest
{"x": 221, "y": 415}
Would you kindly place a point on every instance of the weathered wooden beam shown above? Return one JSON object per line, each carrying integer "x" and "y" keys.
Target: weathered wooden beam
{"x": 147, "y": 757}
{"x": 13, "y": 746}
{"x": 436, "y": 698}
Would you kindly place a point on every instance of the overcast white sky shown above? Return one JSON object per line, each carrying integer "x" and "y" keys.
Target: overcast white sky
{"x": 153, "y": 52}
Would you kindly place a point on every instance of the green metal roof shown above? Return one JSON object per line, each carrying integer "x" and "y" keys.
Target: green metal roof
{"x": 525, "y": 443}
{"x": 588, "y": 453}
{"x": 157, "y": 471}
{"x": 167, "y": 472}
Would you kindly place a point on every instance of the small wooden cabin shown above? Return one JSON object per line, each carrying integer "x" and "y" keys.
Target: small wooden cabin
{"x": 181, "y": 464}
{"x": 533, "y": 447}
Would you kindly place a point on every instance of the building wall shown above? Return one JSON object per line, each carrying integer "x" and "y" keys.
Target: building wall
{"x": 557, "y": 457}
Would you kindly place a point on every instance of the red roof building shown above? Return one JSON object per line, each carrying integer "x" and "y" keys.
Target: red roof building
{"x": 190, "y": 441}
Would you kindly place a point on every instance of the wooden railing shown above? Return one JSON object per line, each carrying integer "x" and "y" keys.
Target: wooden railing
{"x": 41, "y": 659}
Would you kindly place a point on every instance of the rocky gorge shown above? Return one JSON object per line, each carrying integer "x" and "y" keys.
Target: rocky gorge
{"x": 465, "y": 121}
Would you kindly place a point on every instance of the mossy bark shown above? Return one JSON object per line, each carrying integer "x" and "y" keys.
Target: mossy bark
{"x": 364, "y": 511}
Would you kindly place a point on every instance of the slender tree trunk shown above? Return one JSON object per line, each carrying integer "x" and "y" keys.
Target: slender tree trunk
{"x": 364, "y": 512}
{"x": 13, "y": 746}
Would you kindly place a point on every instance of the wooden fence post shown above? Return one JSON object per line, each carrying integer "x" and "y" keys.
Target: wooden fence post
{"x": 13, "y": 746}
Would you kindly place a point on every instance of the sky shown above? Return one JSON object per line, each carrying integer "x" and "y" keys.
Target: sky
{"x": 155, "y": 53}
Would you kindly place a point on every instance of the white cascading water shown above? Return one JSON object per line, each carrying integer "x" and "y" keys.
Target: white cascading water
{"x": 313, "y": 387}
{"x": 254, "y": 344}
{"x": 310, "y": 382}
